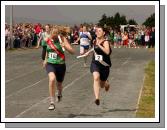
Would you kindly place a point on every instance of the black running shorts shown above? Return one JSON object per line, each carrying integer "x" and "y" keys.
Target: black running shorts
{"x": 103, "y": 70}
{"x": 58, "y": 69}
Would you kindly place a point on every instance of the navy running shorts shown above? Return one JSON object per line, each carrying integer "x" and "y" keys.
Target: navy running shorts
{"x": 85, "y": 46}
{"x": 103, "y": 70}
{"x": 58, "y": 69}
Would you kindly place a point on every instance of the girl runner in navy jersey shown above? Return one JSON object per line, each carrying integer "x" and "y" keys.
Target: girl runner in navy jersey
{"x": 101, "y": 63}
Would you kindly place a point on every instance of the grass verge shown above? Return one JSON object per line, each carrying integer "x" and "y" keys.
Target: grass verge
{"x": 146, "y": 106}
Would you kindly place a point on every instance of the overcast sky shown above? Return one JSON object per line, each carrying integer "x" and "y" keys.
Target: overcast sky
{"x": 80, "y": 13}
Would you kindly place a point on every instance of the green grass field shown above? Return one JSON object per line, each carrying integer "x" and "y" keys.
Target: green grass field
{"x": 147, "y": 101}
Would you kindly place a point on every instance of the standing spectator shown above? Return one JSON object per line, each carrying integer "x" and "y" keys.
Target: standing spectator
{"x": 147, "y": 38}
{"x": 115, "y": 40}
{"x": 142, "y": 37}
{"x": 7, "y": 36}
{"x": 125, "y": 39}
{"x": 111, "y": 39}
{"x": 16, "y": 41}
{"x": 131, "y": 40}
{"x": 136, "y": 39}
{"x": 152, "y": 38}
{"x": 119, "y": 40}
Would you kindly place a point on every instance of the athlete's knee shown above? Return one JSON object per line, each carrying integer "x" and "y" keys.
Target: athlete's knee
{"x": 96, "y": 78}
{"x": 51, "y": 79}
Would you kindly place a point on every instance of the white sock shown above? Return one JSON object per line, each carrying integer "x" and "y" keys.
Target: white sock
{"x": 52, "y": 99}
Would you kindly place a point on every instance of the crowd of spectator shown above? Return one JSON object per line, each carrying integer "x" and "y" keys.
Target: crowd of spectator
{"x": 26, "y": 35}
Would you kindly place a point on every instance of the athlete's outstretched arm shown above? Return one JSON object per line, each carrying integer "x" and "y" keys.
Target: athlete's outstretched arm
{"x": 90, "y": 51}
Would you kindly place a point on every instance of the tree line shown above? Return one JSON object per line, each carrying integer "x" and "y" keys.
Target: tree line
{"x": 117, "y": 20}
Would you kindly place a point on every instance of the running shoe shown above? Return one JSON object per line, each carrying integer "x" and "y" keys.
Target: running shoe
{"x": 51, "y": 106}
{"x": 59, "y": 98}
{"x": 97, "y": 102}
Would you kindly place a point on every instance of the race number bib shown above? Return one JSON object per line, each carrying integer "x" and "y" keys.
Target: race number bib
{"x": 99, "y": 57}
{"x": 53, "y": 55}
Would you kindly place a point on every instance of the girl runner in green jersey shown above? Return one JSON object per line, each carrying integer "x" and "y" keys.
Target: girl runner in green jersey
{"x": 55, "y": 63}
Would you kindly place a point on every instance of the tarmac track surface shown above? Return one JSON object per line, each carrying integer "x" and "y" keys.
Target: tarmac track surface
{"x": 26, "y": 86}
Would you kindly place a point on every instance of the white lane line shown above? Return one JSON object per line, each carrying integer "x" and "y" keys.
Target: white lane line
{"x": 73, "y": 65}
{"x": 44, "y": 100}
{"x": 19, "y": 76}
{"x": 7, "y": 81}
{"x": 125, "y": 62}
{"x": 25, "y": 88}
{"x": 36, "y": 83}
{"x": 140, "y": 93}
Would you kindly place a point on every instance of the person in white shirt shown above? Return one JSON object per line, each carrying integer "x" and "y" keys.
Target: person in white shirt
{"x": 84, "y": 38}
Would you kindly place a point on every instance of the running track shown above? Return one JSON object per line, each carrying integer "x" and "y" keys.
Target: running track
{"x": 26, "y": 86}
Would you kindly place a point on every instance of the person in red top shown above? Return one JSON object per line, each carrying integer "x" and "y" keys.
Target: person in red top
{"x": 125, "y": 39}
{"x": 37, "y": 30}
